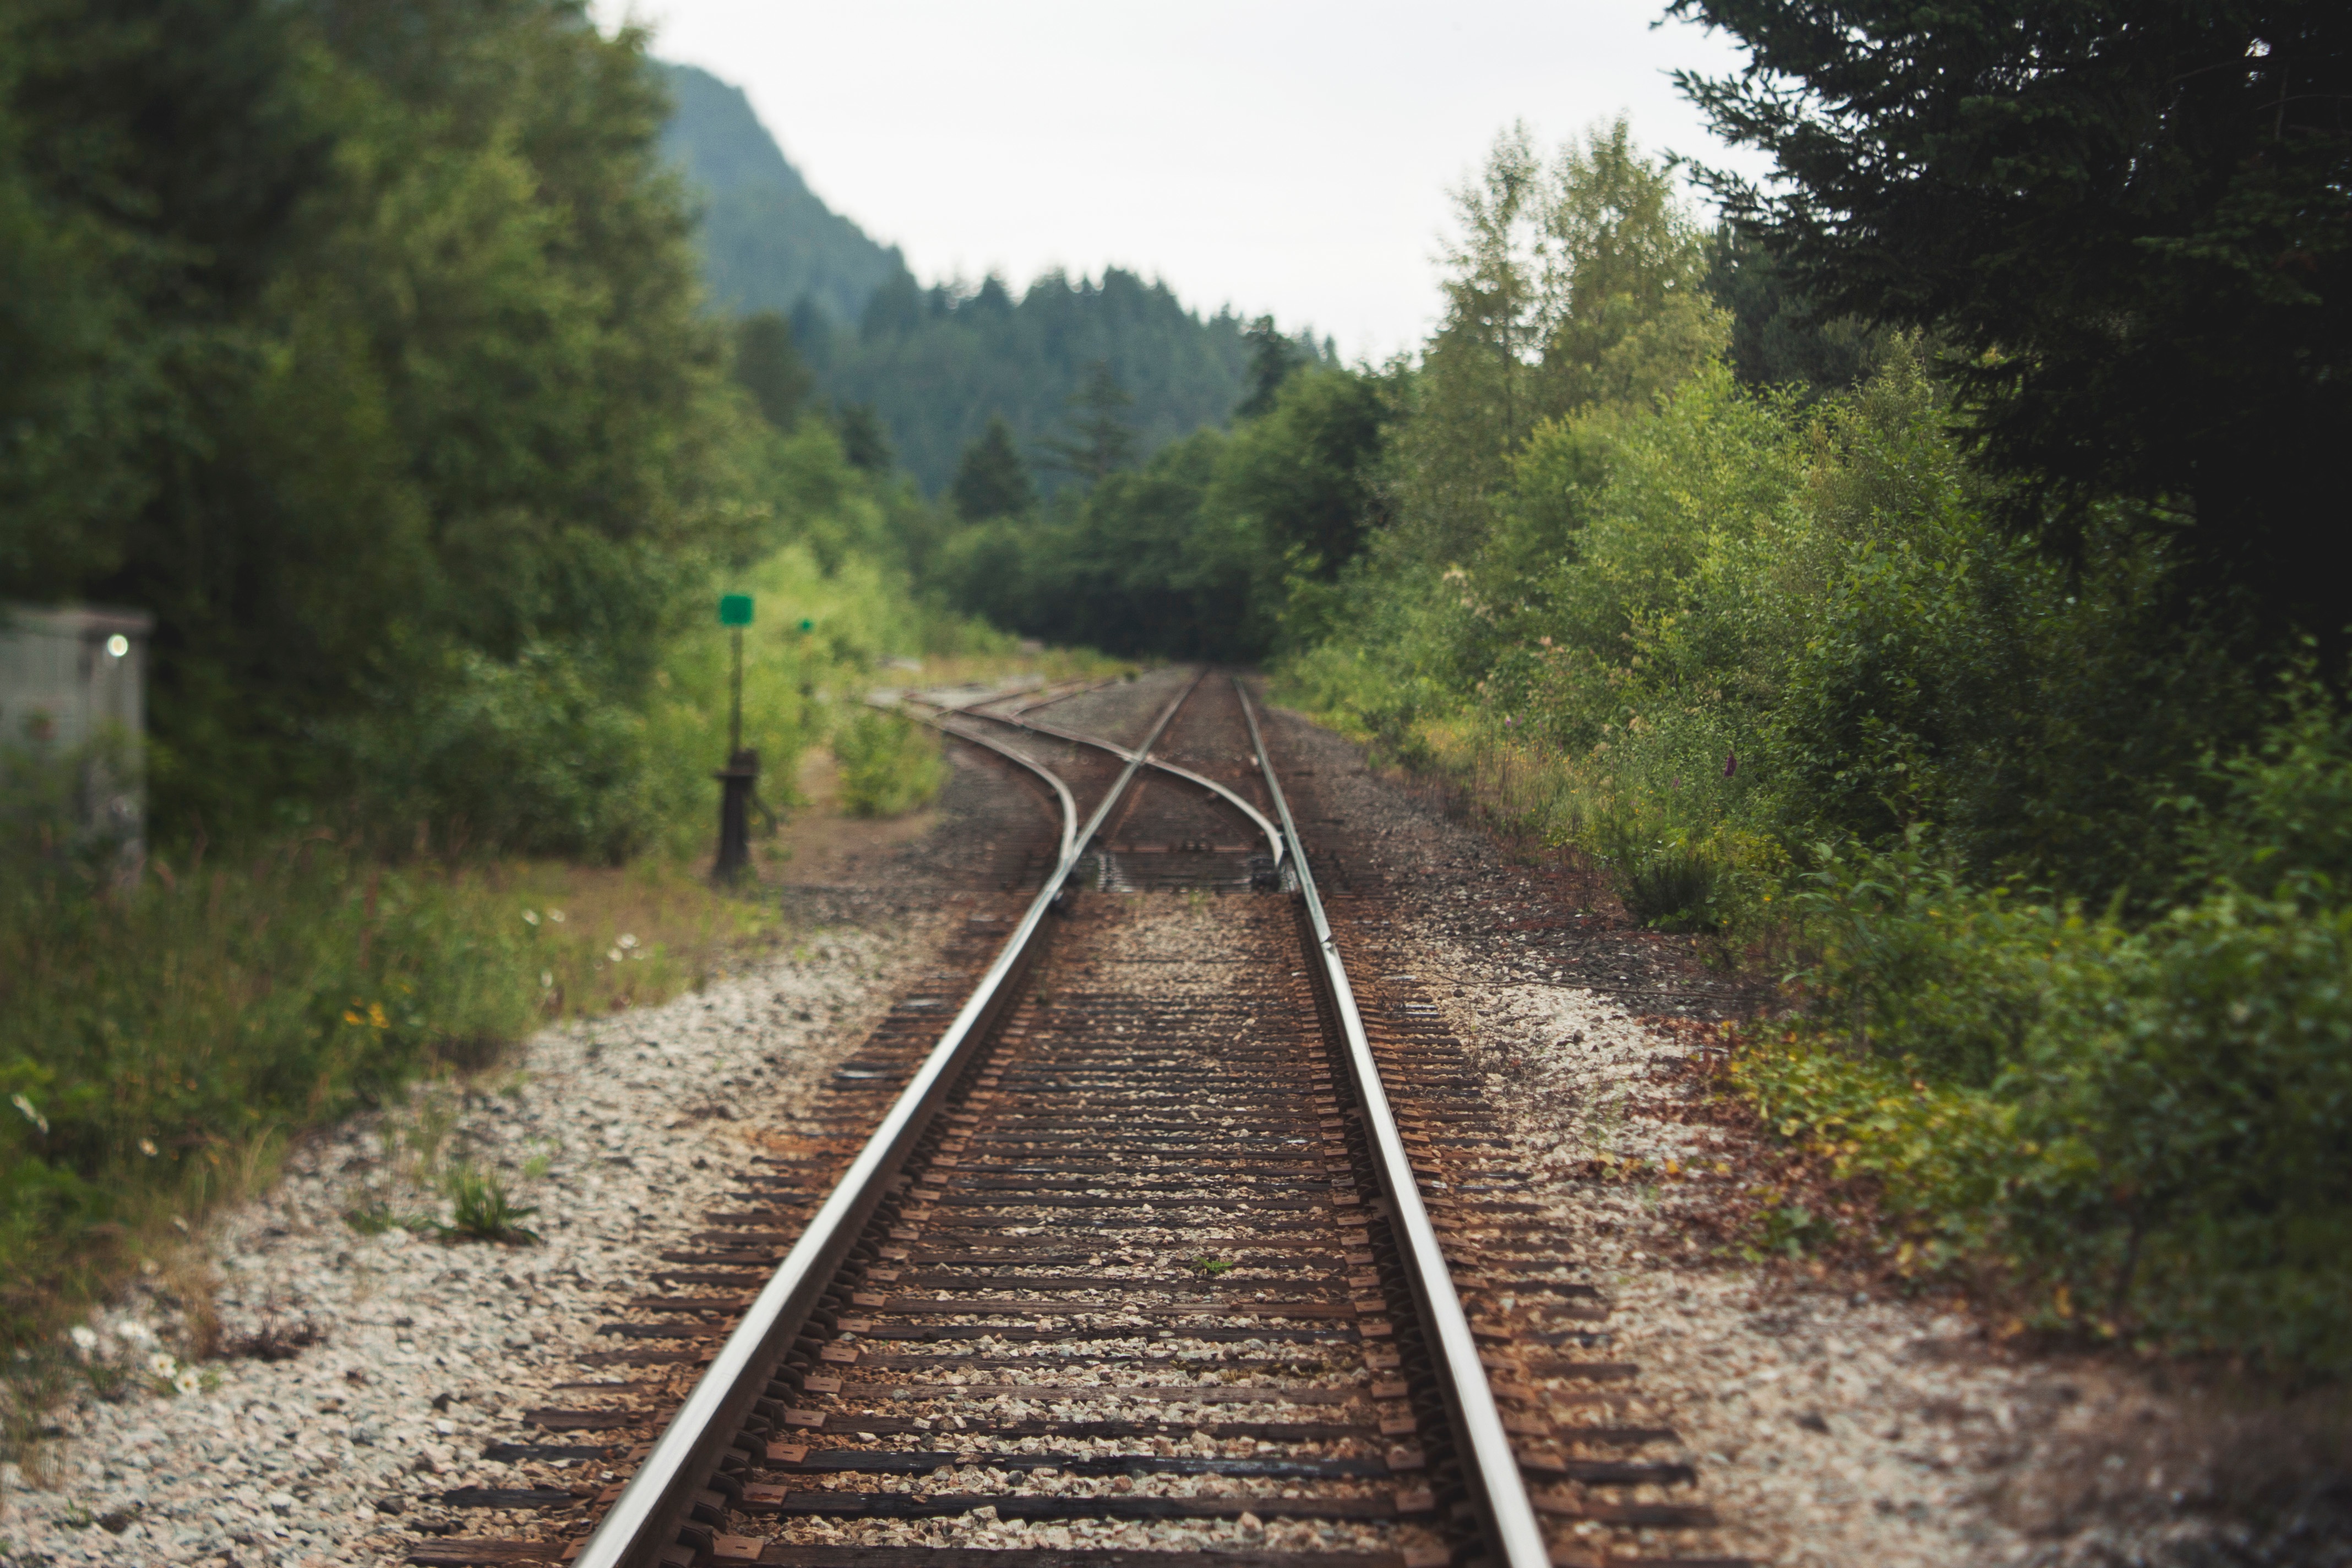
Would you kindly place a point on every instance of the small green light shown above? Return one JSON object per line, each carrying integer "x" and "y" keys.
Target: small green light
{"x": 734, "y": 610}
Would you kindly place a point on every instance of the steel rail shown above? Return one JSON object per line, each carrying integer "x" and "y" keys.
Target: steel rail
{"x": 1272, "y": 834}
{"x": 644, "y": 1519}
{"x": 1069, "y": 802}
{"x": 1490, "y": 1466}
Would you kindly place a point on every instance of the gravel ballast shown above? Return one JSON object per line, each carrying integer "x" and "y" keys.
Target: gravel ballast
{"x": 618, "y": 1130}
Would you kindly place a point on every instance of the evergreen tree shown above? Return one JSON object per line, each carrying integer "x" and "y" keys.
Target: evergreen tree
{"x": 2127, "y": 220}
{"x": 992, "y": 480}
{"x": 770, "y": 367}
{"x": 1100, "y": 441}
{"x": 862, "y": 440}
{"x": 1272, "y": 358}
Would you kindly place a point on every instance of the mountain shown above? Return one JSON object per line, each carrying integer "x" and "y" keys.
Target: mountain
{"x": 768, "y": 241}
{"x": 937, "y": 364}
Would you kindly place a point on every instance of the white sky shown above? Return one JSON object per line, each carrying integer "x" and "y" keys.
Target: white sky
{"x": 1289, "y": 155}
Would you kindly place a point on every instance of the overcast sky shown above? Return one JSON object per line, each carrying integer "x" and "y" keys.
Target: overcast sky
{"x": 1281, "y": 156}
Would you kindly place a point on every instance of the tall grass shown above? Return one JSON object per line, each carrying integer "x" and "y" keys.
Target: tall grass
{"x": 160, "y": 1043}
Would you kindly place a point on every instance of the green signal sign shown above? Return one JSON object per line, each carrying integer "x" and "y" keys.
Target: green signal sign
{"x": 734, "y": 610}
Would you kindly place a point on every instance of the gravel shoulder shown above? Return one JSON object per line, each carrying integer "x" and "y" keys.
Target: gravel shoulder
{"x": 418, "y": 1352}
{"x": 1832, "y": 1422}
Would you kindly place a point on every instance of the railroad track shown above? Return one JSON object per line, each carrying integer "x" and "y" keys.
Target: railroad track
{"x": 1145, "y": 1238}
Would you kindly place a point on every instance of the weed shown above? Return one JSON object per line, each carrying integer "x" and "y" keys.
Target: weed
{"x": 1670, "y": 890}
{"x": 275, "y": 1340}
{"x": 375, "y": 1216}
{"x": 1208, "y": 1267}
{"x": 1789, "y": 1230}
{"x": 481, "y": 1210}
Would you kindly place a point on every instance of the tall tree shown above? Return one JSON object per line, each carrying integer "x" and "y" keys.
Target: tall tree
{"x": 992, "y": 480}
{"x": 862, "y": 438}
{"x": 1272, "y": 358}
{"x": 1099, "y": 441}
{"x": 1306, "y": 471}
{"x": 769, "y": 366}
{"x": 2127, "y": 220}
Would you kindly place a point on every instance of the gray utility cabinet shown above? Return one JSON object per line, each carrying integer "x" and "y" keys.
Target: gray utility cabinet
{"x": 73, "y": 691}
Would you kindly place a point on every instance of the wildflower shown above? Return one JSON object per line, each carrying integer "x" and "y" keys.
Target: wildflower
{"x": 147, "y": 1147}
{"x": 555, "y": 915}
{"x": 531, "y": 917}
{"x": 614, "y": 955}
{"x": 628, "y": 941}
{"x": 135, "y": 1333}
{"x": 1731, "y": 764}
{"x": 547, "y": 980}
{"x": 85, "y": 1340}
{"x": 31, "y": 1115}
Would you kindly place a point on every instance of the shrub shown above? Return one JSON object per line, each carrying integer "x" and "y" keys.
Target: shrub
{"x": 2150, "y": 1128}
{"x": 1669, "y": 888}
{"x": 890, "y": 765}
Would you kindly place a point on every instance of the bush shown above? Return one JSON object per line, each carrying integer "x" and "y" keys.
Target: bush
{"x": 1669, "y": 888}
{"x": 890, "y": 765}
{"x": 2150, "y": 1128}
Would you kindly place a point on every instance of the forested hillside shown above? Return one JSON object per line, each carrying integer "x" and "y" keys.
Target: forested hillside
{"x": 767, "y": 241}
{"x": 936, "y": 365}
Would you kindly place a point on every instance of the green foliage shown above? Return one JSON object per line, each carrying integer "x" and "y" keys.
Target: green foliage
{"x": 1097, "y": 440}
{"x": 2126, "y": 220}
{"x": 2080, "y": 947}
{"x": 412, "y": 416}
{"x": 1273, "y": 358}
{"x": 992, "y": 480}
{"x": 480, "y": 1209}
{"x": 1668, "y": 888}
{"x": 1779, "y": 338}
{"x": 770, "y": 367}
{"x": 165, "y": 1038}
{"x": 2146, "y": 1125}
{"x": 889, "y": 764}
{"x": 937, "y": 365}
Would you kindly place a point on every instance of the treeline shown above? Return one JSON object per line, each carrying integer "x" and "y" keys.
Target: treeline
{"x": 936, "y": 365}
{"x": 1910, "y": 581}
{"x": 361, "y": 343}
{"x": 927, "y": 369}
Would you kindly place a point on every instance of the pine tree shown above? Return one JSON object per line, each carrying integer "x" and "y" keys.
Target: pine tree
{"x": 769, "y": 366}
{"x": 863, "y": 441}
{"x": 2126, "y": 222}
{"x": 992, "y": 480}
{"x": 1272, "y": 358}
{"x": 1100, "y": 441}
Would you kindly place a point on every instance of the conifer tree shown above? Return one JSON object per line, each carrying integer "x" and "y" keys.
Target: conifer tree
{"x": 1100, "y": 441}
{"x": 769, "y": 366}
{"x": 992, "y": 480}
